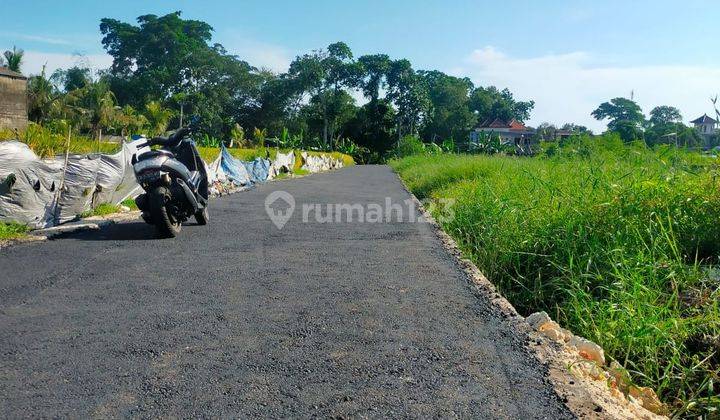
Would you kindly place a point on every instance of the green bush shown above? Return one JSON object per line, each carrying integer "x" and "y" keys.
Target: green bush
{"x": 408, "y": 146}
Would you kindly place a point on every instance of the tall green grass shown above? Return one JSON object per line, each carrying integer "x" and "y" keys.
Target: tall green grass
{"x": 46, "y": 143}
{"x": 616, "y": 242}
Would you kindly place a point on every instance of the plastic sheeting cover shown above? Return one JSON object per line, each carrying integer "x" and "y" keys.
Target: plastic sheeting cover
{"x": 258, "y": 169}
{"x": 284, "y": 162}
{"x": 233, "y": 168}
{"x": 314, "y": 163}
{"x": 30, "y": 186}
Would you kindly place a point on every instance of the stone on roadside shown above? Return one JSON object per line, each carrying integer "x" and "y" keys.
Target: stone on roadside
{"x": 588, "y": 349}
{"x": 648, "y": 399}
{"x": 542, "y": 323}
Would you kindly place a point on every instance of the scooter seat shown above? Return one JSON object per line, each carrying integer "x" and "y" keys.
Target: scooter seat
{"x": 155, "y": 153}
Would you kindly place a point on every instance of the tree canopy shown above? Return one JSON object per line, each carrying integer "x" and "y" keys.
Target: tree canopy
{"x": 169, "y": 66}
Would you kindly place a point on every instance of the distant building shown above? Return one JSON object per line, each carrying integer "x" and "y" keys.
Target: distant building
{"x": 13, "y": 99}
{"x": 510, "y": 132}
{"x": 707, "y": 128}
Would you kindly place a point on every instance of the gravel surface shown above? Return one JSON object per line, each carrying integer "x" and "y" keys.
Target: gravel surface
{"x": 241, "y": 319}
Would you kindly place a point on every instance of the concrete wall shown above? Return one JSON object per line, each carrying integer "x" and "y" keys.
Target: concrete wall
{"x": 13, "y": 103}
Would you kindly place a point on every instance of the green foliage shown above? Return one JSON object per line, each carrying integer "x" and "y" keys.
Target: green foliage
{"x": 41, "y": 97}
{"x": 625, "y": 117}
{"x": 663, "y": 115}
{"x": 13, "y": 58}
{"x": 12, "y": 230}
{"x": 448, "y": 145}
{"x": 488, "y": 144}
{"x": 616, "y": 241}
{"x": 237, "y": 135}
{"x": 449, "y": 114}
{"x": 408, "y": 146}
{"x": 73, "y": 78}
{"x": 489, "y": 104}
{"x": 47, "y": 143}
{"x": 103, "y": 209}
{"x": 207, "y": 141}
{"x": 665, "y": 127}
{"x": 259, "y": 136}
{"x": 166, "y": 70}
{"x": 157, "y": 117}
{"x": 408, "y": 92}
{"x": 93, "y": 104}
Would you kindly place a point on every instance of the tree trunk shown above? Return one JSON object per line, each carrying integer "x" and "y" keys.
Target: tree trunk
{"x": 325, "y": 128}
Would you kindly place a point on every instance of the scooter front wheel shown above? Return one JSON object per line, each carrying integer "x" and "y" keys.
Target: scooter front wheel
{"x": 166, "y": 225}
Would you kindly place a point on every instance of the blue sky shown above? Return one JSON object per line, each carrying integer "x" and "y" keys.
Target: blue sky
{"x": 566, "y": 55}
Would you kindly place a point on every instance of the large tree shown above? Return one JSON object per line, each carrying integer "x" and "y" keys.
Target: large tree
{"x": 408, "y": 92}
{"x": 489, "y": 103}
{"x": 73, "y": 78}
{"x": 665, "y": 126}
{"x": 625, "y": 117}
{"x": 324, "y": 75}
{"x": 449, "y": 115}
{"x": 166, "y": 56}
{"x": 373, "y": 78}
{"x": 661, "y": 115}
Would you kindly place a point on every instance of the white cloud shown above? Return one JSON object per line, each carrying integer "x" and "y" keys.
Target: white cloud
{"x": 33, "y": 61}
{"x": 37, "y": 38}
{"x": 568, "y": 87}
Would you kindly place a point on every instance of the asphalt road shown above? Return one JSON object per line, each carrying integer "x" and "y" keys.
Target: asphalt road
{"x": 240, "y": 319}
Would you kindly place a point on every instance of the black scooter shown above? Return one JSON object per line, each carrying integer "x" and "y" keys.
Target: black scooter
{"x": 175, "y": 182}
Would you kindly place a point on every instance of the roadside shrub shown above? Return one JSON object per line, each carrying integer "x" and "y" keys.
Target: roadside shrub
{"x": 408, "y": 146}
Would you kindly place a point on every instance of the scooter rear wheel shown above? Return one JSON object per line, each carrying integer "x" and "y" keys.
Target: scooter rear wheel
{"x": 165, "y": 224}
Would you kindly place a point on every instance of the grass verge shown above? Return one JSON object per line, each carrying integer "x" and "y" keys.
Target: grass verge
{"x": 108, "y": 208}
{"x": 616, "y": 242}
{"x": 12, "y": 230}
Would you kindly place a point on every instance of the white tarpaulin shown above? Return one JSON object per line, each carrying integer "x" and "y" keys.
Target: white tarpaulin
{"x": 30, "y": 187}
{"x": 284, "y": 162}
{"x": 314, "y": 163}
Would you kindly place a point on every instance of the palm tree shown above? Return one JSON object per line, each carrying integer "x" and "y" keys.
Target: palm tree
{"x": 14, "y": 58}
{"x": 41, "y": 97}
{"x": 100, "y": 103}
{"x": 130, "y": 121}
{"x": 158, "y": 117}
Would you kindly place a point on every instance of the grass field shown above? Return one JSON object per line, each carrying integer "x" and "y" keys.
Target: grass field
{"x": 615, "y": 242}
